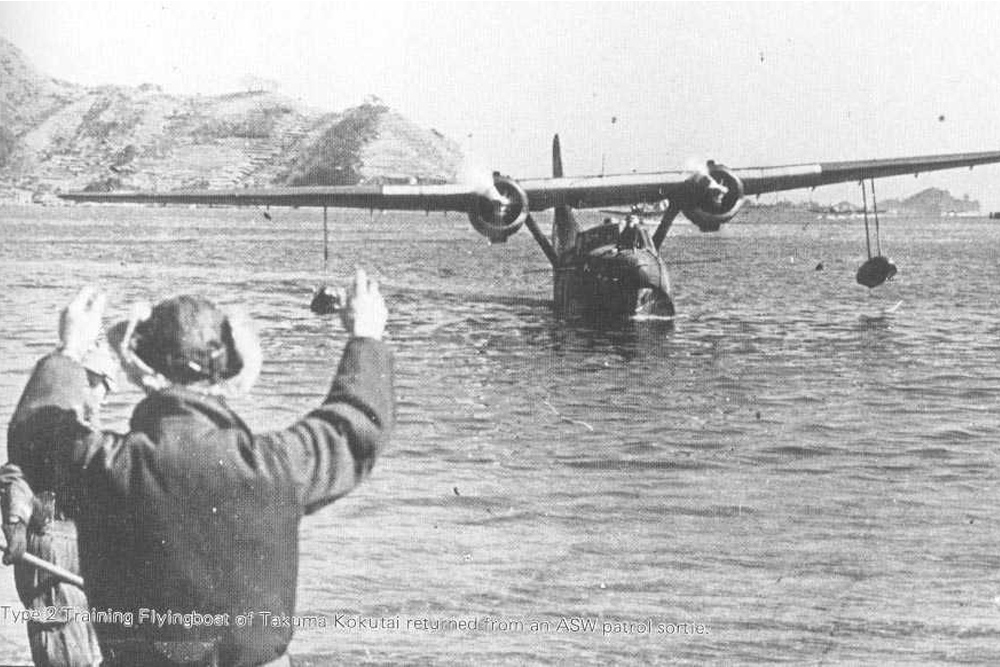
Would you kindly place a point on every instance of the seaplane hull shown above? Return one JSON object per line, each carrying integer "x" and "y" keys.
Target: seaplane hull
{"x": 611, "y": 281}
{"x": 582, "y": 297}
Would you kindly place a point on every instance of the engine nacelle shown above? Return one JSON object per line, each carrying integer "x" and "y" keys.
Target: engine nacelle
{"x": 717, "y": 197}
{"x": 498, "y": 220}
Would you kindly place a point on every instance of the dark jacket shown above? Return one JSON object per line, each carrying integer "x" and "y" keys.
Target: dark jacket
{"x": 60, "y": 638}
{"x": 190, "y": 512}
{"x": 57, "y": 386}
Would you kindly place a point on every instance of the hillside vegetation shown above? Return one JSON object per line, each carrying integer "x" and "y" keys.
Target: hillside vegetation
{"x": 56, "y": 135}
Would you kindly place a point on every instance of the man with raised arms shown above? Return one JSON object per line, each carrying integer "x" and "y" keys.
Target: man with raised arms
{"x": 190, "y": 511}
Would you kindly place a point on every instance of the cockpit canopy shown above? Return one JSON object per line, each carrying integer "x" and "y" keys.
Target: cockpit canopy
{"x": 613, "y": 234}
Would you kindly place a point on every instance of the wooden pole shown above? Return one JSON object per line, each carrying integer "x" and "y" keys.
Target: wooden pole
{"x": 45, "y": 566}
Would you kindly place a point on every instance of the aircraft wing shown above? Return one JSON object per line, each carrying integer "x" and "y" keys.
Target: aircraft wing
{"x": 545, "y": 193}
{"x": 542, "y": 193}
{"x": 598, "y": 191}
{"x": 382, "y": 197}
{"x": 758, "y": 180}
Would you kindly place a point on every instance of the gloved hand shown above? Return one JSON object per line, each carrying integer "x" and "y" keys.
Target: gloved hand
{"x": 365, "y": 315}
{"x": 17, "y": 541}
{"x": 80, "y": 322}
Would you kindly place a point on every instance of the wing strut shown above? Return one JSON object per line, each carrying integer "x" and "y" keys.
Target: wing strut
{"x": 326, "y": 237}
{"x": 543, "y": 242}
{"x": 668, "y": 219}
{"x": 878, "y": 268}
{"x": 878, "y": 236}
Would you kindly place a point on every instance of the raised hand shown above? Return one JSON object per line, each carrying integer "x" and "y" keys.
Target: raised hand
{"x": 80, "y": 322}
{"x": 365, "y": 315}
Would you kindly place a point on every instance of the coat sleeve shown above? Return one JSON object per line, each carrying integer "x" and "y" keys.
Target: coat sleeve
{"x": 333, "y": 448}
{"x": 46, "y": 415}
{"x": 48, "y": 429}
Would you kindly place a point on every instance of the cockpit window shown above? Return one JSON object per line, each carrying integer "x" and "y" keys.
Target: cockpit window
{"x": 595, "y": 237}
{"x": 611, "y": 234}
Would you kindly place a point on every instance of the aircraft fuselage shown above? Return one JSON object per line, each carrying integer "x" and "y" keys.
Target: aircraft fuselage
{"x": 611, "y": 272}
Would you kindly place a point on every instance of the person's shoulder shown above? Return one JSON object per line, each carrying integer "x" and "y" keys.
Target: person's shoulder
{"x": 57, "y": 381}
{"x": 179, "y": 409}
{"x": 156, "y": 408}
{"x": 56, "y": 361}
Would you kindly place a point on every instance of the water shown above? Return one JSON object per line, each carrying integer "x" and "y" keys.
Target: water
{"x": 796, "y": 470}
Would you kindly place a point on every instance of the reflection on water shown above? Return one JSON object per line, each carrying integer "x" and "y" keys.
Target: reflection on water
{"x": 799, "y": 465}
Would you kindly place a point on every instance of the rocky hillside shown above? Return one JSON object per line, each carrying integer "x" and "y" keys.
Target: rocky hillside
{"x": 59, "y": 136}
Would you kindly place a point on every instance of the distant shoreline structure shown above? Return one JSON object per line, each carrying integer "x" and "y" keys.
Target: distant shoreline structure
{"x": 930, "y": 202}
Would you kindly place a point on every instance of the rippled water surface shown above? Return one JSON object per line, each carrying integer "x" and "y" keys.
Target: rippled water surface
{"x": 796, "y": 470}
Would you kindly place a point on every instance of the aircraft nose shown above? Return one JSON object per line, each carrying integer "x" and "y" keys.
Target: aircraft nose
{"x": 651, "y": 273}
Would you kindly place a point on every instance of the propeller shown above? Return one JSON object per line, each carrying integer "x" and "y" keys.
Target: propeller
{"x": 480, "y": 180}
{"x": 709, "y": 189}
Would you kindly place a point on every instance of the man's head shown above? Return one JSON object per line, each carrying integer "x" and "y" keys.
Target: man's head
{"x": 188, "y": 340}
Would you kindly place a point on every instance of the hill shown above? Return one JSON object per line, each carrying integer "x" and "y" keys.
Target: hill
{"x": 58, "y": 136}
{"x": 931, "y": 201}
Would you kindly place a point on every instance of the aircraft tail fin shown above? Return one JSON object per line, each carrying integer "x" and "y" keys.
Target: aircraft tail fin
{"x": 564, "y": 226}
{"x": 557, "y": 169}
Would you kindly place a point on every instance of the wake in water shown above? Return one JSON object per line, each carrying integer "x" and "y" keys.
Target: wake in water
{"x": 647, "y": 317}
{"x": 882, "y": 313}
{"x": 892, "y": 309}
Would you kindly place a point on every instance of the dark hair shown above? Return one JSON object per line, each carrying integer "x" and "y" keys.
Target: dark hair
{"x": 188, "y": 339}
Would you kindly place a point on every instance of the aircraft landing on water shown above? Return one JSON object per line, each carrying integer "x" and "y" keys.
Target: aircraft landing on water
{"x": 608, "y": 271}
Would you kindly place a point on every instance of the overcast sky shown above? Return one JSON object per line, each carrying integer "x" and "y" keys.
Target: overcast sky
{"x": 633, "y": 86}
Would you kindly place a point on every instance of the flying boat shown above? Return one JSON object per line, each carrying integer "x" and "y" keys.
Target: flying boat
{"x": 613, "y": 270}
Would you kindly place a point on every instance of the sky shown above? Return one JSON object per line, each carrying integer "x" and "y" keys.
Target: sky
{"x": 628, "y": 86}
